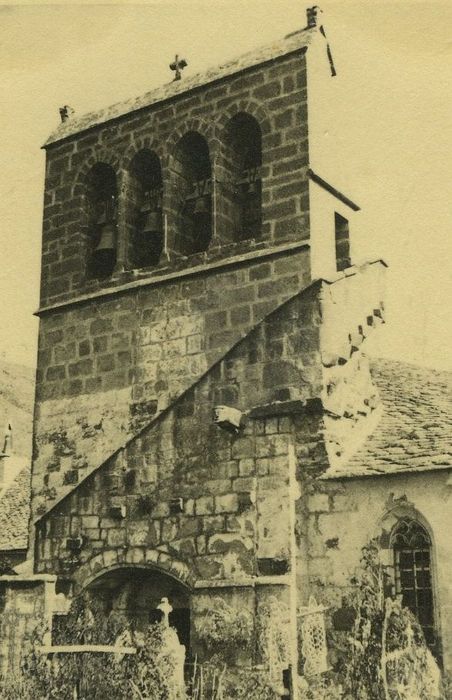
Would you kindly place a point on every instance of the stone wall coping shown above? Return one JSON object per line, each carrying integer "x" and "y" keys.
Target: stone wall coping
{"x": 82, "y": 648}
{"x": 177, "y": 274}
{"x": 352, "y": 270}
{"x": 28, "y": 578}
{"x": 284, "y": 408}
{"x": 250, "y": 582}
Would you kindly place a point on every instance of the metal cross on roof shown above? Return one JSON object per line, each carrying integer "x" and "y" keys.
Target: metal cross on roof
{"x": 178, "y": 65}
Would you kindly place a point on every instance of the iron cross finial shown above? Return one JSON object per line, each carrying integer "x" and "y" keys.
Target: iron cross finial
{"x": 178, "y": 65}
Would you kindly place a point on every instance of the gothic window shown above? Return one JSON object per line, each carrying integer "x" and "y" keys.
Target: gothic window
{"x": 146, "y": 194}
{"x": 102, "y": 201}
{"x": 342, "y": 241}
{"x": 192, "y": 173}
{"x": 411, "y": 546}
{"x": 243, "y": 144}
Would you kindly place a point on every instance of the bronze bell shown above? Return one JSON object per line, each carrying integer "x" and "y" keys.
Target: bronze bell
{"x": 102, "y": 216}
{"x": 252, "y": 187}
{"x": 153, "y": 223}
{"x": 201, "y": 208}
{"x": 107, "y": 241}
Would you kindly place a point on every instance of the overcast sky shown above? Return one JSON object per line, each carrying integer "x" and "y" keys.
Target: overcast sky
{"x": 395, "y": 71}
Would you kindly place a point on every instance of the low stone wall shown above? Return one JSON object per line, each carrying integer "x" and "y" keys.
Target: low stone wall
{"x": 26, "y": 608}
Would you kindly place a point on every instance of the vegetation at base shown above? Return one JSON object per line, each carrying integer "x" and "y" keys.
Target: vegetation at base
{"x": 384, "y": 657}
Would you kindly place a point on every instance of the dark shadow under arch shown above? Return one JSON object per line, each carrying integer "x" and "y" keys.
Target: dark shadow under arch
{"x": 242, "y": 208}
{"x": 102, "y": 204}
{"x": 192, "y": 201}
{"x": 135, "y": 592}
{"x": 144, "y": 202}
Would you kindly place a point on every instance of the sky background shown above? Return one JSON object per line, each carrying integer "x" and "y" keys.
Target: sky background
{"x": 392, "y": 143}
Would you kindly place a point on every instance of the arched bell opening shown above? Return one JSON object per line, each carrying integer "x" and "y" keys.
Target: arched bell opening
{"x": 136, "y": 594}
{"x": 243, "y": 160}
{"x": 103, "y": 212}
{"x": 193, "y": 186}
{"x": 146, "y": 191}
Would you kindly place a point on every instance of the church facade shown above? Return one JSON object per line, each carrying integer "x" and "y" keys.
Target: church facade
{"x": 206, "y": 422}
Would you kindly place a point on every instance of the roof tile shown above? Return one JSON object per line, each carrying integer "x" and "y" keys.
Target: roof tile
{"x": 414, "y": 433}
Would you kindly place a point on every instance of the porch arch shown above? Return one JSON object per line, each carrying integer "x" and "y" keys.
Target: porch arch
{"x": 137, "y": 557}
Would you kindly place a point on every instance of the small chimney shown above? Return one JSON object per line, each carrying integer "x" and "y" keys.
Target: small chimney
{"x": 7, "y": 448}
{"x": 66, "y": 112}
{"x": 8, "y": 442}
{"x": 312, "y": 15}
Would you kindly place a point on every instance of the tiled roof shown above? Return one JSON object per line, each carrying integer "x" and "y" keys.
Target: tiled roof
{"x": 290, "y": 43}
{"x": 414, "y": 433}
{"x": 14, "y": 512}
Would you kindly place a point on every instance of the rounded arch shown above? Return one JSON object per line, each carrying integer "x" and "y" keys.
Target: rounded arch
{"x": 102, "y": 156}
{"x": 201, "y": 127}
{"x": 243, "y": 133}
{"x": 192, "y": 150}
{"x": 134, "y": 583}
{"x": 138, "y": 557}
{"x": 143, "y": 143}
{"x": 251, "y": 108}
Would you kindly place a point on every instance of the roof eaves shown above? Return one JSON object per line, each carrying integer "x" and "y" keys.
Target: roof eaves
{"x": 337, "y": 474}
{"x": 332, "y": 190}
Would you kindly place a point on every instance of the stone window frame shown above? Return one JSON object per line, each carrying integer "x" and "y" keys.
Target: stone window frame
{"x": 387, "y": 525}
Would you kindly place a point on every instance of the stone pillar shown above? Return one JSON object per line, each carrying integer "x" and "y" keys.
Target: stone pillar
{"x": 126, "y": 202}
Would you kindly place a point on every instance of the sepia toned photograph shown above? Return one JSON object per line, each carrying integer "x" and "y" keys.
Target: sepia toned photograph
{"x": 225, "y": 350}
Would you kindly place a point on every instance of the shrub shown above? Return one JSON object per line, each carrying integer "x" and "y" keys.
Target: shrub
{"x": 223, "y": 626}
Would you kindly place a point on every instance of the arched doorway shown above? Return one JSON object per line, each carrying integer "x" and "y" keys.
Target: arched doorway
{"x": 136, "y": 593}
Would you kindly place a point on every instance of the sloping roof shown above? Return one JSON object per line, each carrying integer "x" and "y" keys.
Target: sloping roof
{"x": 15, "y": 511}
{"x": 290, "y": 43}
{"x": 414, "y": 433}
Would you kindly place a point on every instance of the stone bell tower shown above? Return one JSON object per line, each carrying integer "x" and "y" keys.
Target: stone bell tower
{"x": 196, "y": 265}
{"x": 172, "y": 225}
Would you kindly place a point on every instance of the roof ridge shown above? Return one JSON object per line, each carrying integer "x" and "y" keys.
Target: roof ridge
{"x": 261, "y": 54}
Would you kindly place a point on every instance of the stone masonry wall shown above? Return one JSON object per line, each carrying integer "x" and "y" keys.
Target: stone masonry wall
{"x": 342, "y": 516}
{"x": 109, "y": 363}
{"x": 235, "y": 506}
{"x": 274, "y": 94}
{"x": 106, "y": 368}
